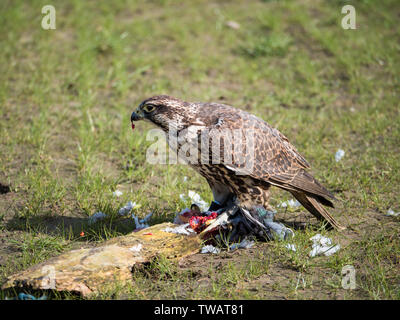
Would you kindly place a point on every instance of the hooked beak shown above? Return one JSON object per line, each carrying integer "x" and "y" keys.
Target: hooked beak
{"x": 136, "y": 115}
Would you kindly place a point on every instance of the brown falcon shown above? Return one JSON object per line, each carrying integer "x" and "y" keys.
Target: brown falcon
{"x": 274, "y": 161}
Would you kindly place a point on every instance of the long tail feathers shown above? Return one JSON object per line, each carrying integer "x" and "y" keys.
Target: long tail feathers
{"x": 313, "y": 205}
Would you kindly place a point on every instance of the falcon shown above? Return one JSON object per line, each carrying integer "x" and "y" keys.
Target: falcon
{"x": 273, "y": 160}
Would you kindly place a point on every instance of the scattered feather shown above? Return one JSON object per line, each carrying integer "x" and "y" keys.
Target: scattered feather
{"x": 142, "y": 223}
{"x": 97, "y": 216}
{"x": 195, "y": 199}
{"x": 136, "y": 248}
{"x": 127, "y": 208}
{"x": 290, "y": 203}
{"x": 390, "y": 212}
{"x": 181, "y": 229}
{"x": 245, "y": 244}
{"x": 117, "y": 193}
{"x": 291, "y": 246}
{"x": 339, "y": 155}
{"x": 210, "y": 249}
{"x": 322, "y": 245}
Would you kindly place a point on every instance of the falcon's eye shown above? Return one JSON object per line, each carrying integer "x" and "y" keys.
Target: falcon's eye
{"x": 148, "y": 108}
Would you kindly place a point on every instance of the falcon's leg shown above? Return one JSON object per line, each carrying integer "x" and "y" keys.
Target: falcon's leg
{"x": 255, "y": 196}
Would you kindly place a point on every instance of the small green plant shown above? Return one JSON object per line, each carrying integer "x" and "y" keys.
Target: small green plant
{"x": 270, "y": 45}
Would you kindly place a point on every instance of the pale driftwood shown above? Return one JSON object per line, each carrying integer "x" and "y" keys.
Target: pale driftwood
{"x": 89, "y": 270}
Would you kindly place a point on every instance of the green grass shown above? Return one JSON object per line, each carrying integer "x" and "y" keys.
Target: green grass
{"x": 66, "y": 96}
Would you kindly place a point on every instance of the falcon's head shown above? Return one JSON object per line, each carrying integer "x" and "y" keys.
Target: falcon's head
{"x": 165, "y": 112}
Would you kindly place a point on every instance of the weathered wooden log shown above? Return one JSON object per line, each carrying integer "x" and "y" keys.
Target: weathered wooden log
{"x": 88, "y": 270}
